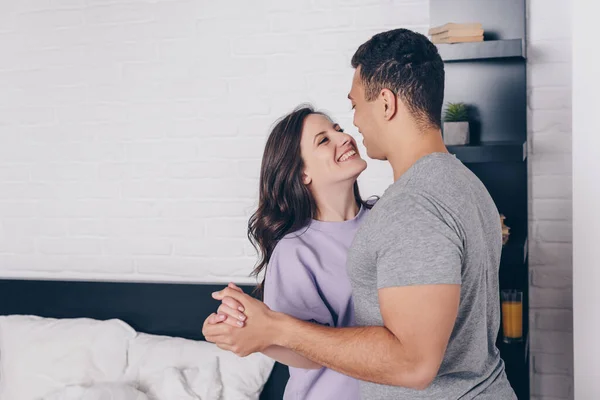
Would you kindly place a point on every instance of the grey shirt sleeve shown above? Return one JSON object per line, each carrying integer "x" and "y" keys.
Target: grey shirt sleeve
{"x": 415, "y": 245}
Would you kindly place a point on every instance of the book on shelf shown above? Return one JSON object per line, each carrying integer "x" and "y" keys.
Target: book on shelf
{"x": 457, "y": 33}
{"x": 458, "y": 39}
{"x": 453, "y": 26}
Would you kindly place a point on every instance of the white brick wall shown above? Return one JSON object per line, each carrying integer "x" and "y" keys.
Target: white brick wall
{"x": 131, "y": 134}
{"x": 586, "y": 197}
{"x": 551, "y": 249}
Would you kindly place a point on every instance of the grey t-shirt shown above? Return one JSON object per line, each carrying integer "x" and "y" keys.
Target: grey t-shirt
{"x": 437, "y": 224}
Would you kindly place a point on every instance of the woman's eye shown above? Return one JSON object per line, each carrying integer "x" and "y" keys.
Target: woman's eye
{"x": 323, "y": 140}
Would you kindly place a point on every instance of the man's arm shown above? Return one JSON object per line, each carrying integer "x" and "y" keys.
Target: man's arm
{"x": 419, "y": 277}
{"x": 228, "y": 314}
{"x": 407, "y": 351}
{"x": 290, "y": 358}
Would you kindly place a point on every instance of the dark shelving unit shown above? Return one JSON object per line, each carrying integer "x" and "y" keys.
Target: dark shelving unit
{"x": 490, "y": 77}
{"x": 511, "y": 48}
{"x": 493, "y": 151}
{"x": 514, "y": 253}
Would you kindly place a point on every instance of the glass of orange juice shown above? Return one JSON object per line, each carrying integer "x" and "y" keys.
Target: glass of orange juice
{"x": 512, "y": 315}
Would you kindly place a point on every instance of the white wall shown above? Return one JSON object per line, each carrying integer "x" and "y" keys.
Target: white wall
{"x": 586, "y": 198}
{"x": 131, "y": 132}
{"x": 551, "y": 249}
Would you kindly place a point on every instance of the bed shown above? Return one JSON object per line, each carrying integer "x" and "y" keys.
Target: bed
{"x": 169, "y": 309}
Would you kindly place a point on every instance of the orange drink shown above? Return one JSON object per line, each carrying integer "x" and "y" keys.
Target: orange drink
{"x": 512, "y": 315}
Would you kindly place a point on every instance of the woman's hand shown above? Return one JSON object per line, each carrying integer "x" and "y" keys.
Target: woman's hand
{"x": 230, "y": 311}
{"x": 227, "y": 313}
{"x": 258, "y": 332}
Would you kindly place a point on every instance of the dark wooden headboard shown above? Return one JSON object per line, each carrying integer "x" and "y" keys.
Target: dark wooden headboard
{"x": 171, "y": 309}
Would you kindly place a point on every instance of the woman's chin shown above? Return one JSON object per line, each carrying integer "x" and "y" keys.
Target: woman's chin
{"x": 360, "y": 167}
{"x": 362, "y": 163}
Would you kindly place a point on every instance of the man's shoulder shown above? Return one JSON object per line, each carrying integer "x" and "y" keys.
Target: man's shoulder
{"x": 442, "y": 181}
{"x": 405, "y": 200}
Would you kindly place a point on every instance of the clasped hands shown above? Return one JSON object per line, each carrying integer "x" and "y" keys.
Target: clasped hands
{"x": 242, "y": 324}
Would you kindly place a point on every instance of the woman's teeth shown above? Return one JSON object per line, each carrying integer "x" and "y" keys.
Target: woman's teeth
{"x": 347, "y": 155}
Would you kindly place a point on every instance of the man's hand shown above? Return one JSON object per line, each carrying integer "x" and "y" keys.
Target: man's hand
{"x": 230, "y": 311}
{"x": 256, "y": 334}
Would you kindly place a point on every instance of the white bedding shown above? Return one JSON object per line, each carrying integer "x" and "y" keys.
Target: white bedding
{"x": 168, "y": 384}
{"x": 99, "y": 391}
{"x": 85, "y": 359}
{"x": 42, "y": 355}
{"x": 156, "y": 362}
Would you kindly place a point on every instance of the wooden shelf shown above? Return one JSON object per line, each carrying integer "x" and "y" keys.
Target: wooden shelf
{"x": 501, "y": 151}
{"x": 511, "y": 48}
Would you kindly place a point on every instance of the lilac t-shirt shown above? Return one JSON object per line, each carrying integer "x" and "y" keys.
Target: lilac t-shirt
{"x": 307, "y": 279}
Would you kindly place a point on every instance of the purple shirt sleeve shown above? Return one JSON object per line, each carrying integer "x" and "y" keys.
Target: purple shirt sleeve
{"x": 290, "y": 286}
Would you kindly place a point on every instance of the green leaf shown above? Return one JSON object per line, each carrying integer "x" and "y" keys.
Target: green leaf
{"x": 456, "y": 112}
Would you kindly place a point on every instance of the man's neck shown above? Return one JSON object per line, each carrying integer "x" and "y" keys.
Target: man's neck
{"x": 405, "y": 152}
{"x": 336, "y": 203}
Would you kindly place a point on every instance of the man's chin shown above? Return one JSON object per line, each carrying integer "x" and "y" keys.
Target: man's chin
{"x": 376, "y": 156}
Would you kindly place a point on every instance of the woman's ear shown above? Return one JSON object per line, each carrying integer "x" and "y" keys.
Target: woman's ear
{"x": 306, "y": 179}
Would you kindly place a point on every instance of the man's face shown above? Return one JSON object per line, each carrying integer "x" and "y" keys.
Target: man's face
{"x": 366, "y": 119}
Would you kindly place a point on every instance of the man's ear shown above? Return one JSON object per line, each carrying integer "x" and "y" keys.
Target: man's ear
{"x": 389, "y": 103}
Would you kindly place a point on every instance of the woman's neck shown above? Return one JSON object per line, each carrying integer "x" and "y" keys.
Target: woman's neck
{"x": 336, "y": 204}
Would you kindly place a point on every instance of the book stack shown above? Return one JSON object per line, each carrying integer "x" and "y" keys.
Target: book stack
{"x": 457, "y": 33}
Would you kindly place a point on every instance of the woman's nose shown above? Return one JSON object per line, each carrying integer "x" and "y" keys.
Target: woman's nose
{"x": 344, "y": 140}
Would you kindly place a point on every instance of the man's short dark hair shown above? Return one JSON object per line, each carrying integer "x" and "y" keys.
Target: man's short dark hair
{"x": 408, "y": 64}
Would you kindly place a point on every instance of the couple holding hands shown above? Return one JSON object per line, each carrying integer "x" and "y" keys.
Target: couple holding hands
{"x": 391, "y": 298}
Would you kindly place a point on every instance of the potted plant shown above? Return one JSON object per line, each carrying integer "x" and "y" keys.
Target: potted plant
{"x": 456, "y": 124}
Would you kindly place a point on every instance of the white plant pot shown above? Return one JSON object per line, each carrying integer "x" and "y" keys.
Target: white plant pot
{"x": 456, "y": 133}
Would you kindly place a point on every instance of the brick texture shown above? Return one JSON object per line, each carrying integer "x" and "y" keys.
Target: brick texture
{"x": 551, "y": 249}
{"x": 131, "y": 133}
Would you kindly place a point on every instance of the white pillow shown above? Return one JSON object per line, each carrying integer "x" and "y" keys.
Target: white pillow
{"x": 39, "y": 356}
{"x": 243, "y": 378}
{"x": 240, "y": 378}
{"x": 101, "y": 391}
{"x": 151, "y": 356}
{"x": 175, "y": 384}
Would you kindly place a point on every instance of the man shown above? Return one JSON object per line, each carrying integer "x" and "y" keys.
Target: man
{"x": 423, "y": 266}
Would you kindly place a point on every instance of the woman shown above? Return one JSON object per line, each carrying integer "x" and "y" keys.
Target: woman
{"x": 309, "y": 210}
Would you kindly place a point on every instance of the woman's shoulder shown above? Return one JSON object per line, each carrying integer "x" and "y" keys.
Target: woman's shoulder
{"x": 290, "y": 262}
{"x": 292, "y": 243}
